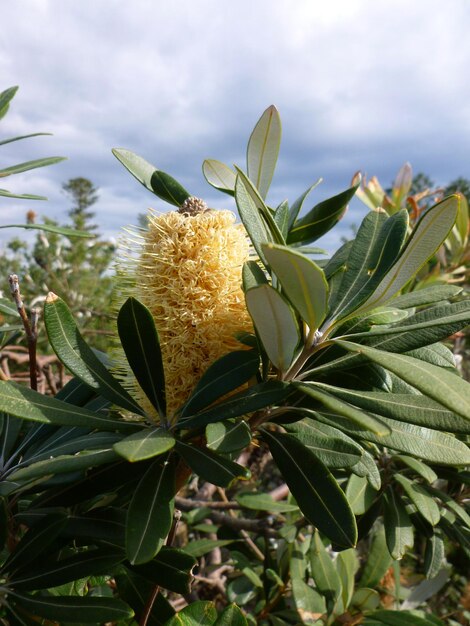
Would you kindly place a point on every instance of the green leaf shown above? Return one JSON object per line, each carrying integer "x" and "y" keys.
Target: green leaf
{"x": 316, "y": 491}
{"x": 27, "y": 404}
{"x": 296, "y": 207}
{"x": 323, "y": 571}
{"x": 281, "y": 217}
{"x": 140, "y": 341}
{"x": 321, "y": 218}
{"x": 168, "y": 189}
{"x": 199, "y": 613}
{"x": 458, "y": 510}
{"x": 427, "y": 237}
{"x": 35, "y": 541}
{"x": 5, "y": 98}
{"x": 264, "y": 502}
{"x": 8, "y": 308}
{"x": 145, "y": 444}
{"x": 275, "y": 323}
{"x": 21, "y": 137}
{"x": 219, "y": 176}
{"x": 423, "y": 502}
{"x": 141, "y": 169}
{"x": 49, "y": 228}
{"x": 303, "y": 282}
{"x": 136, "y": 590}
{"x": 332, "y": 403}
{"x": 79, "y": 565}
{"x": 263, "y": 150}
{"x": 231, "y": 616}
{"x": 332, "y": 449}
{"x": 226, "y": 374}
{"x": 199, "y": 547}
{"x": 396, "y": 618}
{"x": 171, "y": 569}
{"x": 252, "y": 275}
{"x": 434, "y": 555}
{"x": 360, "y": 494}
{"x": 252, "y": 399}
{"x": 228, "y": 436}
{"x": 251, "y": 217}
{"x": 211, "y": 466}
{"x": 347, "y": 565}
{"x": 150, "y": 512}
{"x": 405, "y": 407}
{"x": 426, "y": 295}
{"x": 30, "y": 165}
{"x": 72, "y": 350}
{"x": 429, "y": 445}
{"x": 398, "y": 527}
{"x": 436, "y": 382}
{"x": 420, "y": 468}
{"x": 368, "y": 467}
{"x": 73, "y": 609}
{"x": 378, "y": 560}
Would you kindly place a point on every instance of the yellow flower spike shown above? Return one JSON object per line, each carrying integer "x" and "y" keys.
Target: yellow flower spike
{"x": 188, "y": 274}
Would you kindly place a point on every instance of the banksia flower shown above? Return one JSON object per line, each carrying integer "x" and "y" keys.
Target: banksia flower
{"x": 188, "y": 273}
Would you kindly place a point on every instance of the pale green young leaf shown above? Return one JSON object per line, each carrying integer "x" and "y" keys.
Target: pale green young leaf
{"x": 263, "y": 150}
{"x": 219, "y": 176}
{"x": 275, "y": 323}
{"x": 303, "y": 282}
{"x": 144, "y": 444}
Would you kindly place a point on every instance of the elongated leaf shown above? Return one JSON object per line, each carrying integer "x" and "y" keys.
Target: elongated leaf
{"x": 275, "y": 323}
{"x": 254, "y": 223}
{"x": 398, "y": 618}
{"x": 429, "y": 445}
{"x": 73, "y": 609}
{"x": 141, "y": 169}
{"x": 332, "y": 450}
{"x": 136, "y": 591}
{"x": 35, "y": 541}
{"x": 264, "y": 502}
{"x": 199, "y": 547}
{"x": 49, "y": 228}
{"x": 360, "y": 494}
{"x": 171, "y": 569}
{"x": 427, "y": 237}
{"x": 347, "y": 565}
{"x": 420, "y": 468}
{"x": 303, "y": 282}
{"x": 434, "y": 555}
{"x": 80, "y": 565}
{"x": 27, "y": 404}
{"x": 70, "y": 347}
{"x": 398, "y": 528}
{"x": 426, "y": 295}
{"x": 30, "y": 165}
{"x": 61, "y": 444}
{"x": 317, "y": 493}
{"x": 281, "y": 217}
{"x": 23, "y": 196}
{"x": 263, "y": 150}
{"x": 405, "y": 407}
{"x": 378, "y": 560}
{"x": 5, "y": 98}
{"x": 167, "y": 188}
{"x": 321, "y": 218}
{"x": 200, "y": 613}
{"x": 219, "y": 176}
{"x": 21, "y": 137}
{"x": 150, "y": 513}
{"x": 323, "y": 570}
{"x": 145, "y": 444}
{"x": 211, "y": 466}
{"x": 296, "y": 207}
{"x": 337, "y": 405}
{"x": 222, "y": 377}
{"x": 436, "y": 382}
{"x": 420, "y": 498}
{"x": 252, "y": 276}
{"x": 228, "y": 436}
{"x": 252, "y": 399}
{"x": 7, "y": 307}
{"x": 140, "y": 341}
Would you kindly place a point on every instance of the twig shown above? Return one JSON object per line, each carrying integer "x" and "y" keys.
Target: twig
{"x": 242, "y": 526}
{"x": 31, "y": 328}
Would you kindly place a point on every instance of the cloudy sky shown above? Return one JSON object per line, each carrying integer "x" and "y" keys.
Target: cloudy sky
{"x": 360, "y": 85}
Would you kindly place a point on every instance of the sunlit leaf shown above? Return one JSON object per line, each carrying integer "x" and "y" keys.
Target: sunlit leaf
{"x": 263, "y": 150}
{"x": 145, "y": 444}
{"x": 219, "y": 176}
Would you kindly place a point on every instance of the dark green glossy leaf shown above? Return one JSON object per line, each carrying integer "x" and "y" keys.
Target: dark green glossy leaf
{"x": 276, "y": 324}
{"x": 136, "y": 591}
{"x": 378, "y": 560}
{"x": 253, "y": 276}
{"x": 296, "y": 207}
{"x": 171, "y": 569}
{"x": 145, "y": 444}
{"x": 435, "y": 382}
{"x": 72, "y": 350}
{"x": 316, "y": 491}
{"x": 104, "y": 525}
{"x": 228, "y": 436}
{"x": 222, "y": 377}
{"x": 263, "y": 150}
{"x": 321, "y": 218}
{"x": 27, "y": 404}
{"x": 199, "y": 547}
{"x": 140, "y": 341}
{"x": 167, "y": 188}
{"x": 360, "y": 494}
{"x": 231, "y": 616}
{"x": 150, "y": 512}
{"x": 397, "y": 618}
{"x": 54, "y": 573}
{"x": 211, "y": 466}
{"x": 219, "y": 176}
{"x": 73, "y": 609}
{"x": 198, "y": 613}
{"x": 303, "y": 282}
{"x": 251, "y": 399}
{"x": 398, "y": 527}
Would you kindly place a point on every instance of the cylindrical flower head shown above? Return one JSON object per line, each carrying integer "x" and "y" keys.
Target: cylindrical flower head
{"x": 188, "y": 273}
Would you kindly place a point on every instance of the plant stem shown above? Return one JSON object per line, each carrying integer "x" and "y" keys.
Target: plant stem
{"x": 31, "y": 328}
